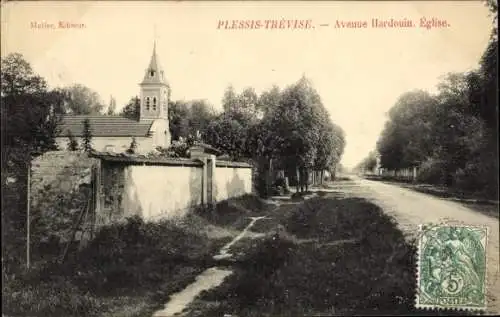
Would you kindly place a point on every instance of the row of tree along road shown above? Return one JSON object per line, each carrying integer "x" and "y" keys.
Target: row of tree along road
{"x": 450, "y": 136}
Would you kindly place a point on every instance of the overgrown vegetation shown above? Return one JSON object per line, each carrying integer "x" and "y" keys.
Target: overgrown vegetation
{"x": 233, "y": 213}
{"x": 129, "y": 269}
{"x": 130, "y": 260}
{"x": 329, "y": 256}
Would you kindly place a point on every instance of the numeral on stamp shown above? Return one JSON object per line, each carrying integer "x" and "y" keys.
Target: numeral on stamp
{"x": 452, "y": 267}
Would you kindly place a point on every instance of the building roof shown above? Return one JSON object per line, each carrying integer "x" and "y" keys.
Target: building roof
{"x": 104, "y": 126}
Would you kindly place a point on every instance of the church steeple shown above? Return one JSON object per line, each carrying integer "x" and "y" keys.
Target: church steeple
{"x": 155, "y": 95}
{"x": 154, "y": 72}
{"x": 155, "y": 91}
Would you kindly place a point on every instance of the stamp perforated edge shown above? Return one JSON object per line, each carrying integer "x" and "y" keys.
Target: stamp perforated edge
{"x": 450, "y": 223}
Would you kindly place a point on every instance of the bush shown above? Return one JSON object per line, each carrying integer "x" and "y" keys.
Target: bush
{"x": 280, "y": 187}
{"x": 479, "y": 175}
{"x": 131, "y": 258}
{"x": 233, "y": 212}
{"x": 432, "y": 171}
{"x": 59, "y": 298}
{"x": 469, "y": 178}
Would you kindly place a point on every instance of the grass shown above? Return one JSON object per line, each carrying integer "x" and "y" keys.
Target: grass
{"x": 124, "y": 265}
{"x": 234, "y": 213}
{"x": 129, "y": 269}
{"x": 327, "y": 256}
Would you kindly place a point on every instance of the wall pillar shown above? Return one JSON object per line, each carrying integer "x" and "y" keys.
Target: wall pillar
{"x": 211, "y": 160}
{"x": 204, "y": 182}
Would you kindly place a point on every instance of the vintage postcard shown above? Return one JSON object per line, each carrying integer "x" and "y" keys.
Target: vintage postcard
{"x": 249, "y": 158}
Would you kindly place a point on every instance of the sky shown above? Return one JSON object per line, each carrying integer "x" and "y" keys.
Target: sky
{"x": 359, "y": 72}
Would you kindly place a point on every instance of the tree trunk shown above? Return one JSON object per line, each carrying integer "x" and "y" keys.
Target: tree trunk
{"x": 307, "y": 178}
{"x": 301, "y": 179}
{"x": 269, "y": 177}
{"x": 297, "y": 178}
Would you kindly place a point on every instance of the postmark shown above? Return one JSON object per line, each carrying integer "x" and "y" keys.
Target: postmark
{"x": 452, "y": 267}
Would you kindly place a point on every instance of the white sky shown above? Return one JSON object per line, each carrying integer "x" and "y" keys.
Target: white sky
{"x": 359, "y": 73}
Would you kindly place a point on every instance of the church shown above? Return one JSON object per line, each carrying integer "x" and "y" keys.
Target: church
{"x": 115, "y": 133}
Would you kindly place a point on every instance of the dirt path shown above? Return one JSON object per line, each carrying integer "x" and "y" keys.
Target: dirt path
{"x": 207, "y": 280}
{"x": 411, "y": 208}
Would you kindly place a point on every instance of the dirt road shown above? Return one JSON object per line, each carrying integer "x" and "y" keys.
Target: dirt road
{"x": 411, "y": 208}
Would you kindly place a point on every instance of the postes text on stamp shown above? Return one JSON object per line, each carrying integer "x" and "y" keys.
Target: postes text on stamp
{"x": 452, "y": 267}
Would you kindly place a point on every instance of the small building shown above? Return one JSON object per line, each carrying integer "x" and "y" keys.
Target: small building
{"x": 115, "y": 133}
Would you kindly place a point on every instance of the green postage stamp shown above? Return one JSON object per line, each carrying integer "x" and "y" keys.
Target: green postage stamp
{"x": 452, "y": 267}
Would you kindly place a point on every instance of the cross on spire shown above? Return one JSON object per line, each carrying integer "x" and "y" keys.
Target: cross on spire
{"x": 154, "y": 73}
{"x": 155, "y": 37}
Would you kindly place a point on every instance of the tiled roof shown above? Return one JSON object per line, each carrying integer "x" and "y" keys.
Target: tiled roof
{"x": 104, "y": 126}
{"x": 144, "y": 159}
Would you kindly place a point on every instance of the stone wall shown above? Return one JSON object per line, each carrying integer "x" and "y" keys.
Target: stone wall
{"x": 231, "y": 180}
{"x": 166, "y": 188}
{"x": 118, "y": 186}
{"x": 150, "y": 191}
{"x": 60, "y": 187}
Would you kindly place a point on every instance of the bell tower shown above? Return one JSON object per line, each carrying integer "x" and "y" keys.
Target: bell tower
{"x": 155, "y": 91}
{"x": 155, "y": 95}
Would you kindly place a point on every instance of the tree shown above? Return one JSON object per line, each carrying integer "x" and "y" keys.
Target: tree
{"x": 230, "y": 130}
{"x": 82, "y": 100}
{"x": 30, "y": 113}
{"x": 133, "y": 146}
{"x": 30, "y": 118}
{"x": 230, "y": 99}
{"x": 444, "y": 134}
{"x": 72, "y": 142}
{"x": 407, "y": 137}
{"x": 295, "y": 132}
{"x": 268, "y": 100}
{"x": 458, "y": 134}
{"x": 330, "y": 148}
{"x": 187, "y": 118}
{"x": 201, "y": 113}
{"x": 228, "y": 135}
{"x": 18, "y": 77}
{"x": 368, "y": 163}
{"x": 87, "y": 136}
{"x": 112, "y": 107}
{"x": 488, "y": 71}
{"x": 178, "y": 113}
{"x": 295, "y": 124}
{"x": 132, "y": 109}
